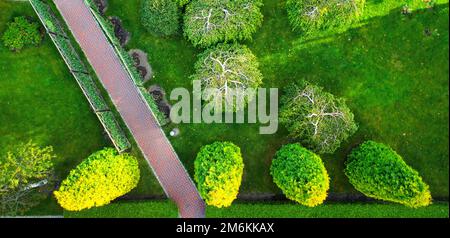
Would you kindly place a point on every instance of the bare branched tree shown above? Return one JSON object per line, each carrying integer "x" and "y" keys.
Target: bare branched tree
{"x": 230, "y": 70}
{"x": 316, "y": 118}
{"x": 208, "y": 22}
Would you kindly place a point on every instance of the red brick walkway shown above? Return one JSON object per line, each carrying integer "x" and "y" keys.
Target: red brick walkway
{"x": 143, "y": 125}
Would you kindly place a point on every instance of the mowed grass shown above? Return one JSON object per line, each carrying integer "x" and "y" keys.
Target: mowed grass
{"x": 156, "y": 209}
{"x": 41, "y": 101}
{"x": 394, "y": 77}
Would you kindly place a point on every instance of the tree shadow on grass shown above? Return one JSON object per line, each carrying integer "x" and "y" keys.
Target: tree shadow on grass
{"x": 393, "y": 71}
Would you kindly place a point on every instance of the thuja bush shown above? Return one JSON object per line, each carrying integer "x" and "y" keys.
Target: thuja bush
{"x": 300, "y": 174}
{"x": 20, "y": 33}
{"x": 377, "y": 171}
{"x": 314, "y": 16}
{"x": 160, "y": 17}
{"x": 218, "y": 173}
{"x": 207, "y": 22}
{"x": 101, "y": 178}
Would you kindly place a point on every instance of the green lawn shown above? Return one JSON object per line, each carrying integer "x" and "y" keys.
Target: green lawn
{"x": 394, "y": 77}
{"x": 157, "y": 209}
{"x": 40, "y": 100}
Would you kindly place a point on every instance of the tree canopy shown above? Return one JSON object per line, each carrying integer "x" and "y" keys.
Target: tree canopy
{"x": 229, "y": 70}
{"x": 21, "y": 33}
{"x": 316, "y": 118}
{"x": 312, "y": 16}
{"x": 218, "y": 173}
{"x": 377, "y": 171}
{"x": 160, "y": 17}
{"x": 101, "y": 178}
{"x": 207, "y": 22}
{"x": 26, "y": 173}
{"x": 300, "y": 174}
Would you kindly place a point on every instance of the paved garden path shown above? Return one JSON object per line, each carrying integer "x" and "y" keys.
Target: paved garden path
{"x": 139, "y": 119}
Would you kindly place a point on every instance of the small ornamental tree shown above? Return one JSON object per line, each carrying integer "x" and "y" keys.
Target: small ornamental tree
{"x": 229, "y": 72}
{"x": 218, "y": 173}
{"x": 313, "y": 16}
{"x": 316, "y": 118}
{"x": 21, "y": 33}
{"x": 101, "y": 178}
{"x": 207, "y": 22}
{"x": 160, "y": 17}
{"x": 300, "y": 174}
{"x": 377, "y": 171}
{"x": 26, "y": 175}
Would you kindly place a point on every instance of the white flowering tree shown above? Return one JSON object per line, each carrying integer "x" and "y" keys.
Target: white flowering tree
{"x": 207, "y": 22}
{"x": 316, "y": 118}
{"x": 228, "y": 71}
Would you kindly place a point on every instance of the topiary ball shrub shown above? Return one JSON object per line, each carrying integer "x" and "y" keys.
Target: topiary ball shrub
{"x": 101, "y": 178}
{"x": 300, "y": 174}
{"x": 315, "y": 16}
{"x": 160, "y": 17}
{"x": 21, "y": 33}
{"x": 207, "y": 22}
{"x": 379, "y": 172}
{"x": 230, "y": 70}
{"x": 316, "y": 118}
{"x": 218, "y": 173}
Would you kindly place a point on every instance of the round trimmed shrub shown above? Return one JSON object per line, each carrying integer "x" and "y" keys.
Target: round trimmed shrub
{"x": 101, "y": 178}
{"x": 160, "y": 17}
{"x": 377, "y": 171}
{"x": 300, "y": 174}
{"x": 313, "y": 16}
{"x": 21, "y": 33}
{"x": 207, "y": 22}
{"x": 218, "y": 173}
{"x": 227, "y": 69}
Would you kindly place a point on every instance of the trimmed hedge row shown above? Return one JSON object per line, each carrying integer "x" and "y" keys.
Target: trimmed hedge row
{"x": 85, "y": 81}
{"x": 162, "y": 119}
{"x": 114, "y": 131}
{"x": 127, "y": 61}
{"x": 91, "y": 92}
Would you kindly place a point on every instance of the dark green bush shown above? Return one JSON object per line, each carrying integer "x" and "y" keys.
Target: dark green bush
{"x": 300, "y": 174}
{"x": 315, "y": 16}
{"x": 379, "y": 172}
{"x": 21, "y": 33}
{"x": 218, "y": 173}
{"x": 160, "y": 17}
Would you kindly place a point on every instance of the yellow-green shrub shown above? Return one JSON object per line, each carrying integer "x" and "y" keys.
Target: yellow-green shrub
{"x": 301, "y": 175}
{"x": 98, "y": 180}
{"x": 218, "y": 173}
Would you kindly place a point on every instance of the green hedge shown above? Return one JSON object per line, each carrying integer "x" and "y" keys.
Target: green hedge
{"x": 162, "y": 119}
{"x": 377, "y": 171}
{"x": 300, "y": 174}
{"x": 85, "y": 81}
{"x": 127, "y": 61}
{"x": 90, "y": 89}
{"x": 115, "y": 132}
